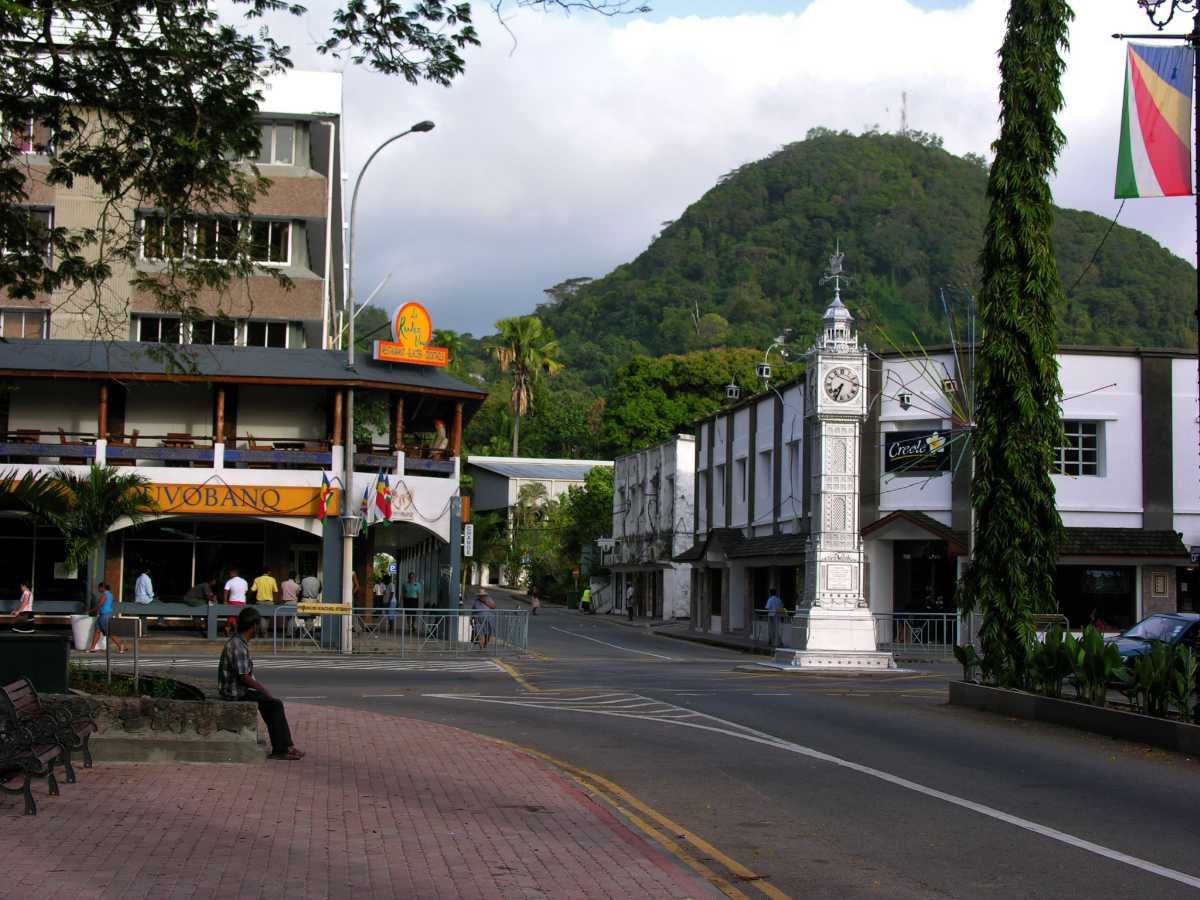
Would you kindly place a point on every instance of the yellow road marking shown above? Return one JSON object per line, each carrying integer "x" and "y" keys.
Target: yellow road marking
{"x": 518, "y": 677}
{"x": 608, "y": 787}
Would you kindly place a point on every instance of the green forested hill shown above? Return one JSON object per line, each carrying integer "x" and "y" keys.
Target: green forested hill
{"x": 744, "y": 261}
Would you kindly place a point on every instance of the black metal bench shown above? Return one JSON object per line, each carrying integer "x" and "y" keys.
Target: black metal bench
{"x": 57, "y": 725}
{"x": 24, "y": 757}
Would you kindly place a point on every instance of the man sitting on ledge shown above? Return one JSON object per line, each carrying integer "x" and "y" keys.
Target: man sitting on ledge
{"x": 236, "y": 681}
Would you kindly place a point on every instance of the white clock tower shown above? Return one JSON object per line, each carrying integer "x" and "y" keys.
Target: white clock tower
{"x": 840, "y": 630}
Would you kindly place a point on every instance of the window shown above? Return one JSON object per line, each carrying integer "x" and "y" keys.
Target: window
{"x": 277, "y": 144}
{"x": 763, "y": 485}
{"x": 1080, "y": 453}
{"x": 37, "y": 234}
{"x": 719, "y": 486}
{"x": 158, "y": 329}
{"x": 216, "y": 238}
{"x": 214, "y": 331}
{"x": 270, "y": 242}
{"x": 22, "y": 323}
{"x": 163, "y": 238}
{"x": 266, "y": 334}
{"x": 740, "y": 475}
{"x": 30, "y": 137}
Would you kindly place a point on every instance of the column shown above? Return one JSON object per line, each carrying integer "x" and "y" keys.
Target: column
{"x": 456, "y": 434}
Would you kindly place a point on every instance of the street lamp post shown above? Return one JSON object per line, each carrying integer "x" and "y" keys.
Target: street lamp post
{"x": 351, "y": 523}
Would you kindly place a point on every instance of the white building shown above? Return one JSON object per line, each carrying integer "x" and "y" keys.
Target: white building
{"x": 1128, "y": 490}
{"x": 653, "y": 516}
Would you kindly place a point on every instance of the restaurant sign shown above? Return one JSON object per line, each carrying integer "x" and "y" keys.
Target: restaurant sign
{"x": 412, "y": 330}
{"x": 915, "y": 453}
{"x": 220, "y": 499}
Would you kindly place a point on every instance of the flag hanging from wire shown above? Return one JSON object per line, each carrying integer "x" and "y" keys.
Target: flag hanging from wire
{"x": 1155, "y": 158}
{"x": 383, "y": 499}
{"x": 323, "y": 500}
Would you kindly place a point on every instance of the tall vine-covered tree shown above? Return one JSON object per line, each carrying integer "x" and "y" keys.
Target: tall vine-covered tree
{"x": 528, "y": 351}
{"x": 1017, "y": 526}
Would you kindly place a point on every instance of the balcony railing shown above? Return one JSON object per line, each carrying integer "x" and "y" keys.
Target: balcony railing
{"x": 181, "y": 449}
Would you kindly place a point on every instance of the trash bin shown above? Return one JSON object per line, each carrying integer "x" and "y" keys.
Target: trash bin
{"x": 82, "y": 629}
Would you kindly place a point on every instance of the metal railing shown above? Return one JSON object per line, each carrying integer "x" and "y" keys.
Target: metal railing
{"x": 404, "y": 632}
{"x": 905, "y": 635}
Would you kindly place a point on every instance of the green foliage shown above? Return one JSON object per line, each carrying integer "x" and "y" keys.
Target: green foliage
{"x": 1181, "y": 691}
{"x": 41, "y": 495}
{"x": 1094, "y": 664}
{"x": 96, "y": 501}
{"x": 1163, "y": 678}
{"x": 968, "y": 658}
{"x": 1017, "y": 387}
{"x": 587, "y": 511}
{"x": 1049, "y": 664}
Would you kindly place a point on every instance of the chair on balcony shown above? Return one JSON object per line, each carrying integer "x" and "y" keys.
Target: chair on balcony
{"x": 120, "y": 440}
{"x": 24, "y": 436}
{"x": 178, "y": 440}
{"x": 70, "y": 460}
{"x": 253, "y": 445}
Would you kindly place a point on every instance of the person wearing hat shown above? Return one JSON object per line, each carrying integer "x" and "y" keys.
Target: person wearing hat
{"x": 483, "y": 612}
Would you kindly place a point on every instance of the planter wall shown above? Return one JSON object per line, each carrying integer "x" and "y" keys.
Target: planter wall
{"x": 143, "y": 729}
{"x": 1165, "y": 733}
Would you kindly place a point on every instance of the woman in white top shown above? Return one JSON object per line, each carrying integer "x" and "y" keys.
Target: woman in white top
{"x": 24, "y": 611}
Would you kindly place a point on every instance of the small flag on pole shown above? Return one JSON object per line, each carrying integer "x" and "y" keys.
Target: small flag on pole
{"x": 323, "y": 501}
{"x": 1155, "y": 159}
{"x": 365, "y": 508}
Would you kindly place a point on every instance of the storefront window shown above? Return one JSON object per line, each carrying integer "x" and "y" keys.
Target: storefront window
{"x": 1108, "y": 590}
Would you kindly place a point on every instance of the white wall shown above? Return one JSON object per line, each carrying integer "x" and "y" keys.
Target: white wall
{"x": 281, "y": 412}
{"x": 930, "y": 410}
{"x": 718, "y": 486}
{"x": 1185, "y": 451}
{"x": 741, "y": 468}
{"x": 764, "y": 465}
{"x": 50, "y": 405}
{"x": 879, "y": 556}
{"x": 160, "y": 408}
{"x": 792, "y": 487}
{"x": 1105, "y": 389}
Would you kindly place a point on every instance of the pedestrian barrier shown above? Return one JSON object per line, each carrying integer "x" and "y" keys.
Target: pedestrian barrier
{"x": 904, "y": 634}
{"x": 402, "y": 632}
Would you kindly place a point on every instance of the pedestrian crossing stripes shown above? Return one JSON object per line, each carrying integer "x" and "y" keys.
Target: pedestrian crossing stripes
{"x": 324, "y": 663}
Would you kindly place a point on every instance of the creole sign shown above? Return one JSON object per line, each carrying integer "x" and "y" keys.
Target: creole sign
{"x": 915, "y": 453}
{"x": 240, "y": 500}
{"x": 412, "y": 330}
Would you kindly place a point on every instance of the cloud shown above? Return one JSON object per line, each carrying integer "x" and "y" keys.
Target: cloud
{"x": 562, "y": 155}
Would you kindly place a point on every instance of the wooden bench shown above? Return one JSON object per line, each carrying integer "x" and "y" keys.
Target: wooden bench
{"x": 53, "y": 725}
{"x": 24, "y": 757}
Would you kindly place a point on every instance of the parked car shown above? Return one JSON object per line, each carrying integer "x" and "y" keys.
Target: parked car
{"x": 1169, "y": 628}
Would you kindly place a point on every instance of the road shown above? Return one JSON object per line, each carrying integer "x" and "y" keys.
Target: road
{"x": 806, "y": 785}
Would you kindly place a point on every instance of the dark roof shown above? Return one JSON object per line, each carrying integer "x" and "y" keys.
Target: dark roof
{"x": 1121, "y": 542}
{"x": 737, "y": 546}
{"x": 191, "y": 362}
{"x": 956, "y": 540}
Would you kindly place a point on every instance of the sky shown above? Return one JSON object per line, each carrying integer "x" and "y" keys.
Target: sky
{"x": 567, "y": 143}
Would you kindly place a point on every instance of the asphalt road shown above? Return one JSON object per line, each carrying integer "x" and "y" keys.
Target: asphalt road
{"x": 822, "y": 785}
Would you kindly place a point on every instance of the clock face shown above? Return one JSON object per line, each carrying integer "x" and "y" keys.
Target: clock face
{"x": 842, "y": 384}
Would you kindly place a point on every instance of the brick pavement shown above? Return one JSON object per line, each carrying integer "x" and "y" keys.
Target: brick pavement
{"x": 380, "y": 807}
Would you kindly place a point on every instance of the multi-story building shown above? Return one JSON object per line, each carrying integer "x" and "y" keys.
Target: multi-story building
{"x": 295, "y": 231}
{"x": 652, "y": 524}
{"x": 1126, "y": 485}
{"x": 237, "y": 433}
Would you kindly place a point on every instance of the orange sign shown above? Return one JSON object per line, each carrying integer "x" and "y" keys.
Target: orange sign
{"x": 240, "y": 500}
{"x": 412, "y": 330}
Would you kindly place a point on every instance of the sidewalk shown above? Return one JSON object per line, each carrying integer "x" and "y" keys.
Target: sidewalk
{"x": 380, "y": 807}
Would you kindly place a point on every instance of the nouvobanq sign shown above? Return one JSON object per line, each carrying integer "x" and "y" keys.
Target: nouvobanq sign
{"x": 239, "y": 500}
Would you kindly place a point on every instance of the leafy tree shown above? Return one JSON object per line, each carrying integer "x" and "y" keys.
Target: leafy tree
{"x": 95, "y": 502}
{"x": 527, "y": 350}
{"x": 38, "y": 495}
{"x": 456, "y": 347}
{"x": 1017, "y": 387}
{"x": 587, "y": 511}
{"x": 372, "y": 324}
{"x": 155, "y": 103}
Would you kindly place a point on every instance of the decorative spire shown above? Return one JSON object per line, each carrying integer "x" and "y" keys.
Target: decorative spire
{"x": 838, "y": 335}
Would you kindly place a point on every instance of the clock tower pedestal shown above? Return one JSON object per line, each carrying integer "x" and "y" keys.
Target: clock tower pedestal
{"x": 834, "y": 629}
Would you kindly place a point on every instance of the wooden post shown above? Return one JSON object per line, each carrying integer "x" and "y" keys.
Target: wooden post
{"x": 456, "y": 435}
{"x": 398, "y": 425}
{"x": 102, "y": 419}
{"x": 219, "y": 427}
{"x": 337, "y": 418}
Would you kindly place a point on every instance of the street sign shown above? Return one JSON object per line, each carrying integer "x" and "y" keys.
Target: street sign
{"x": 1194, "y": 552}
{"x": 468, "y": 540}
{"x": 391, "y": 568}
{"x": 322, "y": 609}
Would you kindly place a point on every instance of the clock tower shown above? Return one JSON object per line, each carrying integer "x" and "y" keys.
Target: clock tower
{"x": 840, "y": 630}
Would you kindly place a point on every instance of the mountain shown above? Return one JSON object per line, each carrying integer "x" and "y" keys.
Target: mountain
{"x": 744, "y": 262}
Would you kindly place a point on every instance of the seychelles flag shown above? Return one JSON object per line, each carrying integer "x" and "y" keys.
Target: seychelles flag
{"x": 1155, "y": 159}
{"x": 323, "y": 500}
{"x": 383, "y": 498}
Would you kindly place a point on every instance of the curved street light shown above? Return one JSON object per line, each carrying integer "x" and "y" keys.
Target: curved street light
{"x": 351, "y": 524}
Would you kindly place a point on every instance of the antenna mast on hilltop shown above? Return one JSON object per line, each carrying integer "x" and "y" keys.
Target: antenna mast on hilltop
{"x": 903, "y": 112}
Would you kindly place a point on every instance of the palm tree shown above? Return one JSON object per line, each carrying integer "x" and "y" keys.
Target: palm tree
{"x": 528, "y": 349}
{"x": 454, "y": 343}
{"x": 95, "y": 502}
{"x": 41, "y": 496}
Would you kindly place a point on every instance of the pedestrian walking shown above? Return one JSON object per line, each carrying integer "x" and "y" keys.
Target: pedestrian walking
{"x": 775, "y": 609}
{"x": 389, "y": 599}
{"x": 535, "y": 602}
{"x": 629, "y": 599}
{"x": 236, "y": 681}
{"x": 103, "y": 611}
{"x": 23, "y": 623}
{"x": 410, "y": 595}
{"x": 483, "y": 617}
{"x": 585, "y": 602}
{"x": 235, "y": 594}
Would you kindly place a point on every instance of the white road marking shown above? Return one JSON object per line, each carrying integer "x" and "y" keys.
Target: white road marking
{"x": 333, "y": 663}
{"x": 384, "y": 695}
{"x": 742, "y": 732}
{"x": 310, "y": 697}
{"x": 614, "y": 646}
